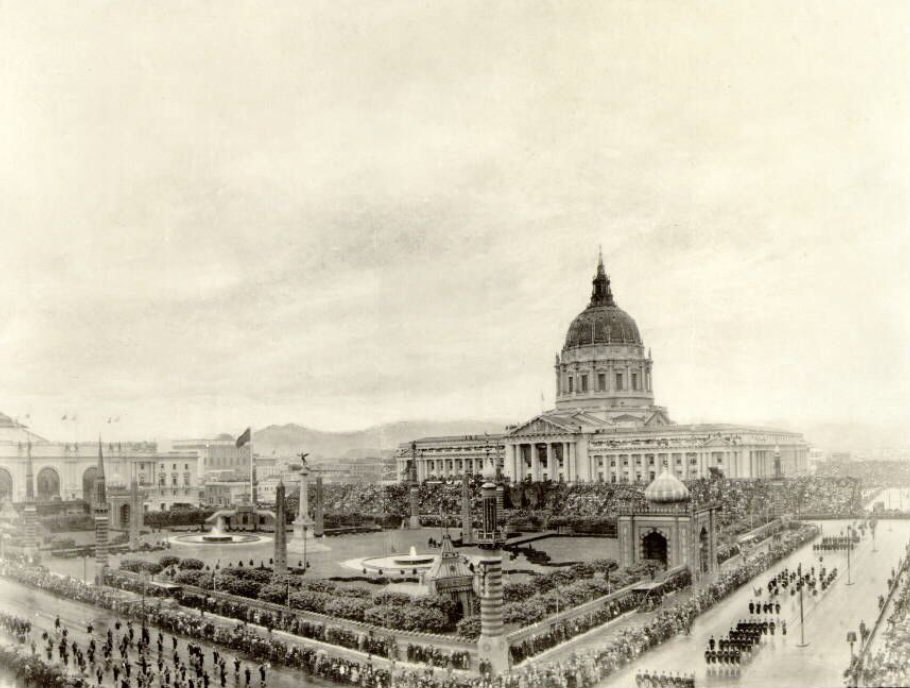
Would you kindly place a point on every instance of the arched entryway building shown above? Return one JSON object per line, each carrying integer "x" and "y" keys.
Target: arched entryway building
{"x": 47, "y": 484}
{"x": 88, "y": 483}
{"x": 6, "y": 485}
{"x": 654, "y": 547}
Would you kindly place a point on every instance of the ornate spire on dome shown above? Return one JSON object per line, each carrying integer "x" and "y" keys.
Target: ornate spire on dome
{"x": 601, "y": 295}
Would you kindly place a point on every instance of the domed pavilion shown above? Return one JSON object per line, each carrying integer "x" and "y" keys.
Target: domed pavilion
{"x": 667, "y": 526}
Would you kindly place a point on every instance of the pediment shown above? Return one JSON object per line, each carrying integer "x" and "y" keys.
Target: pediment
{"x": 541, "y": 425}
{"x": 716, "y": 442}
{"x": 656, "y": 419}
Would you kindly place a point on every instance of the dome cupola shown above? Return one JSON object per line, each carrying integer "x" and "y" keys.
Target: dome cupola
{"x": 602, "y": 322}
{"x": 666, "y": 488}
{"x": 603, "y": 367}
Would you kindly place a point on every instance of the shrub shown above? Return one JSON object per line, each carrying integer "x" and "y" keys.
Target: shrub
{"x": 388, "y": 597}
{"x": 168, "y": 560}
{"x": 515, "y": 592}
{"x": 255, "y": 575}
{"x": 469, "y": 628}
{"x": 347, "y": 607}
{"x": 201, "y": 579}
{"x": 190, "y": 564}
{"x": 309, "y": 601}
{"x": 274, "y": 592}
{"x": 238, "y": 586}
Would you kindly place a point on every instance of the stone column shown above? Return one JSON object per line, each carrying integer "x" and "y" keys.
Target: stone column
{"x": 467, "y": 526}
{"x": 413, "y": 499}
{"x": 135, "y": 525}
{"x": 101, "y": 541}
{"x": 280, "y": 566}
{"x": 492, "y": 645}
{"x": 303, "y": 524}
{"x": 319, "y": 525}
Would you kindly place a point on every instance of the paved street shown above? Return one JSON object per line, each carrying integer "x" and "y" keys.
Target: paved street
{"x": 828, "y": 618}
{"x": 42, "y": 608}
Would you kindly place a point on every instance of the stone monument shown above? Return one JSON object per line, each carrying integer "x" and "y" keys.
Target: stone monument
{"x": 281, "y": 534}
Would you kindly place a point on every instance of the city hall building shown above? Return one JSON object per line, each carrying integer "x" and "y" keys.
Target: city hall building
{"x": 605, "y": 426}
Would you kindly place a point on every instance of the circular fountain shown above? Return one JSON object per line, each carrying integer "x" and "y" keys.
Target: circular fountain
{"x": 218, "y": 536}
{"x": 413, "y": 561}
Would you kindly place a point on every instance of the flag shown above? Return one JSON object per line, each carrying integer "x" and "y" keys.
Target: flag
{"x": 244, "y": 438}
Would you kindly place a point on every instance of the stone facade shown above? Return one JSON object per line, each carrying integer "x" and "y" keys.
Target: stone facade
{"x": 67, "y": 471}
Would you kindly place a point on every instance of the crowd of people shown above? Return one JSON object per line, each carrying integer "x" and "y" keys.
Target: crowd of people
{"x": 651, "y": 679}
{"x": 835, "y": 543}
{"x": 425, "y": 654}
{"x": 126, "y": 657}
{"x": 579, "y": 671}
{"x": 889, "y": 665}
{"x": 740, "y": 500}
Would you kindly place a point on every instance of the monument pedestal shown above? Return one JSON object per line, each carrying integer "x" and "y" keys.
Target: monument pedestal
{"x": 494, "y": 650}
{"x": 304, "y": 528}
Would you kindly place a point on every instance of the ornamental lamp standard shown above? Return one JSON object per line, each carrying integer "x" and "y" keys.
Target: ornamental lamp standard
{"x": 849, "y": 547}
{"x": 802, "y": 623}
{"x": 851, "y": 638}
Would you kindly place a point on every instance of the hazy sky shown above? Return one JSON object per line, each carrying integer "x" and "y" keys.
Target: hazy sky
{"x": 216, "y": 214}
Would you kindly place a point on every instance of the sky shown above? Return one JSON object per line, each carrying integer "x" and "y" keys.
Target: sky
{"x": 216, "y": 214}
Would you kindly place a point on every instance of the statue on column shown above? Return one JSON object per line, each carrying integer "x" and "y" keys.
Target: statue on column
{"x": 303, "y": 524}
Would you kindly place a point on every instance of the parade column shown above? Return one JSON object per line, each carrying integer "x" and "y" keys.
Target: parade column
{"x": 101, "y": 521}
{"x": 31, "y": 512}
{"x": 491, "y": 646}
{"x": 280, "y": 566}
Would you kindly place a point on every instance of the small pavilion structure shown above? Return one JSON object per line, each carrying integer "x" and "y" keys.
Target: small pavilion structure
{"x": 450, "y": 576}
{"x": 669, "y": 527}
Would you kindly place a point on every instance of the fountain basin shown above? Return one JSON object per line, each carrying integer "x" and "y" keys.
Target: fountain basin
{"x": 413, "y": 561}
{"x": 219, "y": 539}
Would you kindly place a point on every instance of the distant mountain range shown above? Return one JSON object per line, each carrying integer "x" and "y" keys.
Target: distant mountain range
{"x": 377, "y": 441}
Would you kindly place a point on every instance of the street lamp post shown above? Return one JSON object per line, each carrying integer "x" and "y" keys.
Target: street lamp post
{"x": 802, "y": 624}
{"x": 851, "y": 638}
{"x": 849, "y": 547}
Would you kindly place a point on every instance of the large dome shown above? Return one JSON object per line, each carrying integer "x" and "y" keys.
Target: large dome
{"x": 666, "y": 488}
{"x": 602, "y": 322}
{"x": 602, "y": 325}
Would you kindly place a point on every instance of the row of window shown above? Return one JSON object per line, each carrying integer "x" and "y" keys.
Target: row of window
{"x": 162, "y": 479}
{"x": 619, "y": 383}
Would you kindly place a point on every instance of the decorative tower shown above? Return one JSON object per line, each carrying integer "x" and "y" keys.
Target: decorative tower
{"x": 467, "y": 526}
{"x": 101, "y": 520}
{"x": 31, "y": 513}
{"x": 136, "y": 515}
{"x": 303, "y": 524}
{"x": 491, "y": 645}
{"x": 281, "y": 534}
{"x": 319, "y": 509}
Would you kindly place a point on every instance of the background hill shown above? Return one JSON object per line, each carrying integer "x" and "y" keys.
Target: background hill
{"x": 379, "y": 440}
